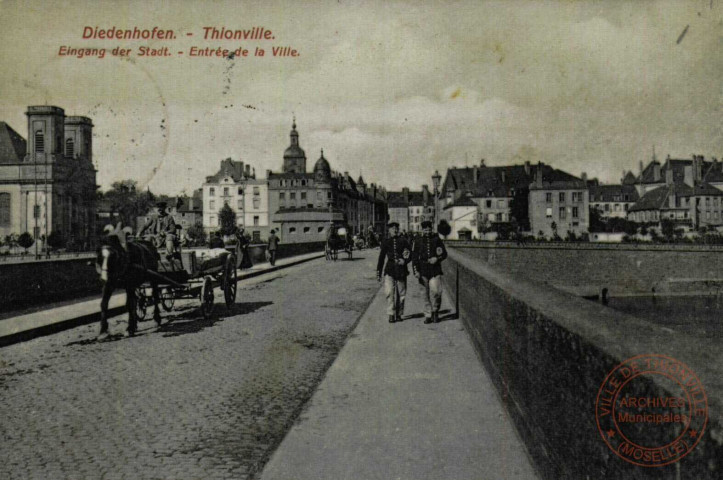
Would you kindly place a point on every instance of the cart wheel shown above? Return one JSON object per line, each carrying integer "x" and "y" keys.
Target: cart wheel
{"x": 207, "y": 297}
{"x": 327, "y": 252}
{"x": 168, "y": 298}
{"x": 230, "y": 281}
{"x": 141, "y": 303}
{"x": 350, "y": 253}
{"x": 334, "y": 254}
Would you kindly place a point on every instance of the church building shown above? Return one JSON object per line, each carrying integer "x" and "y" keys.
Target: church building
{"x": 48, "y": 183}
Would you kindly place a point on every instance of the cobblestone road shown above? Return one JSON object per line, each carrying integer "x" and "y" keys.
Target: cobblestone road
{"x": 198, "y": 399}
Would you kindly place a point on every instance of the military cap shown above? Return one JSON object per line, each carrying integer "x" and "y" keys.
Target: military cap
{"x": 161, "y": 204}
{"x": 426, "y": 224}
{"x": 392, "y": 224}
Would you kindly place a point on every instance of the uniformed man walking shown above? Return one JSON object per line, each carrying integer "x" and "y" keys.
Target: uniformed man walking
{"x": 428, "y": 252}
{"x": 396, "y": 253}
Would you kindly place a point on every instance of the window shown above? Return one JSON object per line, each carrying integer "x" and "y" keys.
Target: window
{"x": 707, "y": 201}
{"x": 212, "y": 205}
{"x": 548, "y": 212}
{"x": 292, "y": 195}
{"x": 225, "y": 191}
{"x": 548, "y": 197}
{"x": 256, "y": 191}
{"x": 240, "y": 190}
{"x": 707, "y": 215}
{"x": 489, "y": 203}
{"x": 499, "y": 217}
{"x": 282, "y": 196}
{"x": 292, "y": 230}
{"x": 575, "y": 212}
{"x": 607, "y": 207}
{"x": 617, "y": 207}
{"x": 328, "y": 195}
{"x": 256, "y": 220}
{"x": 212, "y": 220}
{"x": 39, "y": 142}
{"x": 562, "y": 213}
{"x": 69, "y": 148}
{"x": 303, "y": 182}
{"x": 36, "y": 211}
{"x": 577, "y": 197}
{"x": 211, "y": 192}
{"x": 5, "y": 209}
{"x": 307, "y": 229}
{"x": 562, "y": 197}
{"x": 491, "y": 217}
{"x": 303, "y": 195}
{"x": 257, "y": 203}
{"x": 500, "y": 204}
{"x": 318, "y": 195}
{"x": 240, "y": 205}
{"x": 319, "y": 229}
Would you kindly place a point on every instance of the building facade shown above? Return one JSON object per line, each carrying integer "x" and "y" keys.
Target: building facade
{"x": 558, "y": 206}
{"x": 410, "y": 208}
{"x": 236, "y": 185}
{"x": 302, "y": 204}
{"x": 48, "y": 183}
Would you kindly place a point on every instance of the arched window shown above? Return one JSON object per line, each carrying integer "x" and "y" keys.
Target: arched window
{"x": 39, "y": 141}
{"x": 69, "y": 148}
{"x": 4, "y": 209}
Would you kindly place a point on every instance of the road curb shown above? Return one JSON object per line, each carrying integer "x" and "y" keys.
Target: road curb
{"x": 87, "y": 319}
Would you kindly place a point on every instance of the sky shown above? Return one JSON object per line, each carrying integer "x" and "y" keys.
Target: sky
{"x": 391, "y": 90}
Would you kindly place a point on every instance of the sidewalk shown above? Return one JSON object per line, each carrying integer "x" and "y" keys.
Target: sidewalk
{"x": 44, "y": 322}
{"x": 403, "y": 401}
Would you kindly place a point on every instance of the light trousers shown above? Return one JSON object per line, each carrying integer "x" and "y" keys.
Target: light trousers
{"x": 432, "y": 294}
{"x": 389, "y": 290}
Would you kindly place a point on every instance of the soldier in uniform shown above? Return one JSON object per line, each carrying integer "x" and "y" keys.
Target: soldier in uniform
{"x": 397, "y": 253}
{"x": 428, "y": 253}
{"x": 162, "y": 228}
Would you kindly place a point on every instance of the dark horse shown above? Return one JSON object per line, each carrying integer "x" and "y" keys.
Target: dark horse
{"x": 123, "y": 264}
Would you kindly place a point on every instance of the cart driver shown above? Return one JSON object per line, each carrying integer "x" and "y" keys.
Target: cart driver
{"x": 161, "y": 229}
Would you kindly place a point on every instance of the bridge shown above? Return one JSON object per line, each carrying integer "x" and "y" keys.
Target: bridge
{"x": 304, "y": 378}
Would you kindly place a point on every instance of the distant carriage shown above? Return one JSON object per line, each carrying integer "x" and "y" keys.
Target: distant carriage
{"x": 339, "y": 239}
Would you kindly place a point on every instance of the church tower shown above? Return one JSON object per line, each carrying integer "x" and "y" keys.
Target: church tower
{"x": 294, "y": 156}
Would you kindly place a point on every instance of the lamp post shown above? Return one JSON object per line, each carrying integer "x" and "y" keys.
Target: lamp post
{"x": 436, "y": 180}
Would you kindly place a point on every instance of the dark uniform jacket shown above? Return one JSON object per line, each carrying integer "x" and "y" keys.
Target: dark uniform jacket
{"x": 426, "y": 247}
{"x": 394, "y": 248}
{"x": 273, "y": 242}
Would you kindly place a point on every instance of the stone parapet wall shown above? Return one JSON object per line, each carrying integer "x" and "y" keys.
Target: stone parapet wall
{"x": 548, "y": 353}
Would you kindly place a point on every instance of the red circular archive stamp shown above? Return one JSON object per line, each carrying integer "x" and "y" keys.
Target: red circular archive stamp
{"x": 646, "y": 428}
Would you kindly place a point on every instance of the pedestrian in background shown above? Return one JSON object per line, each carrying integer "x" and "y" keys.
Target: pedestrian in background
{"x": 428, "y": 252}
{"x": 394, "y": 255}
{"x": 273, "y": 245}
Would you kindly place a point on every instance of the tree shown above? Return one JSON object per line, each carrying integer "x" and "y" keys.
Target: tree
{"x": 55, "y": 239}
{"x": 596, "y": 222}
{"x": 25, "y": 240}
{"x": 227, "y": 220}
{"x": 519, "y": 206}
{"x": 128, "y": 202}
{"x": 667, "y": 228}
{"x": 196, "y": 234}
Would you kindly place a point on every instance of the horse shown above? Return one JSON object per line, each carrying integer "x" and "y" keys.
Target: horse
{"x": 123, "y": 264}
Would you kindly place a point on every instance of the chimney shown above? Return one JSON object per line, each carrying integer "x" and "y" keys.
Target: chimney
{"x": 641, "y": 168}
{"x": 656, "y": 172}
{"x": 247, "y": 171}
{"x": 622, "y": 179}
{"x": 583, "y": 176}
{"x": 688, "y": 175}
{"x": 268, "y": 174}
{"x": 475, "y": 174}
{"x": 699, "y": 169}
{"x": 425, "y": 194}
{"x": 482, "y": 163}
{"x": 538, "y": 175}
{"x": 405, "y": 194}
{"x": 253, "y": 173}
{"x": 527, "y": 168}
{"x": 669, "y": 176}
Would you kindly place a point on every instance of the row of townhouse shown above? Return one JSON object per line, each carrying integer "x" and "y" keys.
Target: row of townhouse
{"x": 299, "y": 205}
{"x": 540, "y": 199}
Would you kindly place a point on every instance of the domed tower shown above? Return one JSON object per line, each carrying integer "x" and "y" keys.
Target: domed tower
{"x": 322, "y": 170}
{"x": 294, "y": 156}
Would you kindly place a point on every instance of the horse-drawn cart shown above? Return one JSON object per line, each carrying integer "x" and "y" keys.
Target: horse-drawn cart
{"x": 339, "y": 239}
{"x": 193, "y": 276}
